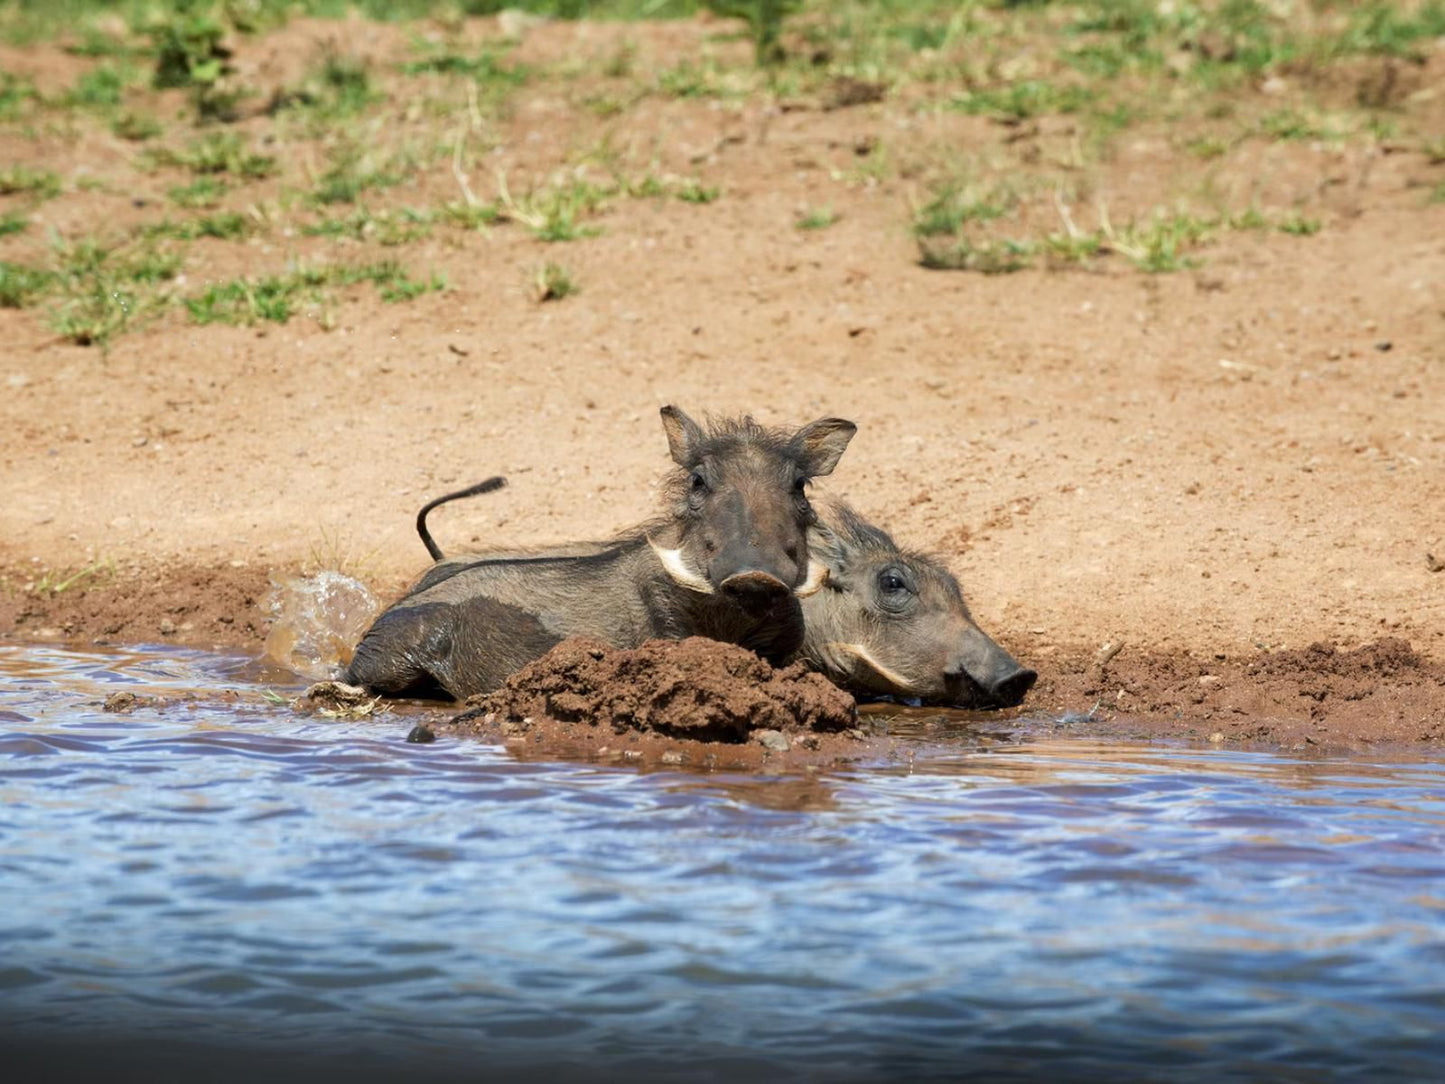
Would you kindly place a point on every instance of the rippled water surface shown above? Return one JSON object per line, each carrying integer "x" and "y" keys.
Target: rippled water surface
{"x": 223, "y": 875}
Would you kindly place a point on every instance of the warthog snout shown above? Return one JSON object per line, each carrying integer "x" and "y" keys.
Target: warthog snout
{"x": 755, "y": 592}
{"x": 1005, "y": 686}
{"x": 981, "y": 668}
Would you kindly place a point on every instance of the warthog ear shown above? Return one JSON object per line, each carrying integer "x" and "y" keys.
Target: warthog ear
{"x": 825, "y": 545}
{"x": 820, "y": 445}
{"x": 684, "y": 436}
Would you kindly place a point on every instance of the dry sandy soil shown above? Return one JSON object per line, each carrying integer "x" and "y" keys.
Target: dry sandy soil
{"x": 1215, "y": 468}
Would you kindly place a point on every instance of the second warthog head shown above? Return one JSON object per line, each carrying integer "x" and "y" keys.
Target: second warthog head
{"x": 739, "y": 506}
{"x": 894, "y": 622}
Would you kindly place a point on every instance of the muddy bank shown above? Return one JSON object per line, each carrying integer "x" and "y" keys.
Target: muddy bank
{"x": 141, "y": 601}
{"x": 1320, "y": 696}
{"x": 691, "y": 702}
{"x": 1324, "y": 696}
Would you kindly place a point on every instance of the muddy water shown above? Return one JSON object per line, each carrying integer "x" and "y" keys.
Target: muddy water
{"x": 221, "y": 879}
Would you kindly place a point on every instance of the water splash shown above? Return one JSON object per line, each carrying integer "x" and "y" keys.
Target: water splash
{"x": 319, "y": 619}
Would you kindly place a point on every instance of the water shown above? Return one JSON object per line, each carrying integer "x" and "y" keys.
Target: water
{"x": 222, "y": 879}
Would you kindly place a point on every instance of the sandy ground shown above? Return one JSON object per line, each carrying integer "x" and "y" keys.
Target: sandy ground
{"x": 1209, "y": 468}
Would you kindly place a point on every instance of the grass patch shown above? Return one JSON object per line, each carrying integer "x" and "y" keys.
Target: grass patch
{"x": 1298, "y": 225}
{"x": 14, "y": 222}
{"x": 694, "y": 191}
{"x": 203, "y": 192}
{"x": 384, "y": 227}
{"x": 103, "y": 291}
{"x": 1161, "y": 244}
{"x": 20, "y": 285}
{"x": 99, "y": 88}
{"x": 552, "y": 282}
{"x": 58, "y": 581}
{"x": 338, "y": 88}
{"x": 482, "y": 67}
{"x": 22, "y": 180}
{"x": 954, "y": 204}
{"x": 219, "y": 152}
{"x": 226, "y": 226}
{"x": 1023, "y": 100}
{"x": 554, "y": 213}
{"x": 1291, "y": 124}
{"x": 471, "y": 216}
{"x": 349, "y": 175}
{"x": 16, "y": 96}
{"x": 276, "y": 298}
{"x": 818, "y": 218}
{"x": 136, "y": 127}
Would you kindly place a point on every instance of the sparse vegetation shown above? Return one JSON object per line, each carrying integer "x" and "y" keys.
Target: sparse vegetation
{"x": 14, "y": 222}
{"x": 552, "y": 282}
{"x": 219, "y": 152}
{"x": 39, "y": 184}
{"x": 1212, "y": 80}
{"x": 276, "y": 298}
{"x": 818, "y": 218}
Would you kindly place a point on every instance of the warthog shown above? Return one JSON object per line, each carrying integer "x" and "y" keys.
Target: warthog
{"x": 727, "y": 561}
{"x": 893, "y": 622}
{"x": 886, "y": 621}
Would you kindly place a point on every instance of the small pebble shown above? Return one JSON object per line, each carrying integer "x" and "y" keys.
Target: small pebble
{"x": 772, "y": 739}
{"x": 672, "y": 756}
{"x": 168, "y": 627}
{"x": 421, "y": 735}
{"x": 1216, "y": 737}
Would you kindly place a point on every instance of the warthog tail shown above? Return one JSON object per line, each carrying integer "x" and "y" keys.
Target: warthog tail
{"x": 493, "y": 483}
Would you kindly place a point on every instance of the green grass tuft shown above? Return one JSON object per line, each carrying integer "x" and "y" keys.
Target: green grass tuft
{"x": 219, "y": 152}
{"x": 818, "y": 218}
{"x": 39, "y": 184}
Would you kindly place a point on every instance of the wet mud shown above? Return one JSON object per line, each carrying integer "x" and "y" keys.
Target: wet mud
{"x": 1321, "y": 695}
{"x": 695, "y": 702}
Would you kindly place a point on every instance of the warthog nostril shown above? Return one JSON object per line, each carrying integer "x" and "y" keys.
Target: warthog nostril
{"x": 1012, "y": 689}
{"x": 754, "y": 590}
{"x": 792, "y": 552}
{"x": 1004, "y": 691}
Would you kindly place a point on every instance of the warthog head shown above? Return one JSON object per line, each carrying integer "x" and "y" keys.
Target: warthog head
{"x": 740, "y": 511}
{"x": 894, "y": 622}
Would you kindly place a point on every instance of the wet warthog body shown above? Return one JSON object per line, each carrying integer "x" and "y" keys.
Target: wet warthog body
{"x": 724, "y": 563}
{"x": 893, "y": 622}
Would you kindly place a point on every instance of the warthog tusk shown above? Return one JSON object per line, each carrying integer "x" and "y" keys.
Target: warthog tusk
{"x": 817, "y": 577}
{"x": 863, "y": 655}
{"x": 677, "y": 570}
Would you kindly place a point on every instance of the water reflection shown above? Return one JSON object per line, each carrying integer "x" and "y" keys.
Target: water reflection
{"x": 221, "y": 869}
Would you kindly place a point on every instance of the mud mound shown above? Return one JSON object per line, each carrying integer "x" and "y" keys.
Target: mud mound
{"x": 691, "y": 702}
{"x": 697, "y": 689}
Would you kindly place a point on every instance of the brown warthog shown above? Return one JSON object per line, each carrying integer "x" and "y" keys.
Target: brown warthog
{"x": 893, "y": 622}
{"x": 727, "y": 561}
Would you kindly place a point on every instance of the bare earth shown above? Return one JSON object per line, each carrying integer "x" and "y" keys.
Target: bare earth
{"x": 1216, "y": 468}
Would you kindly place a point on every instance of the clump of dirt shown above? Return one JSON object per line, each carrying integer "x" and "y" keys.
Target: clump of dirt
{"x": 1320, "y": 695}
{"x": 676, "y": 702}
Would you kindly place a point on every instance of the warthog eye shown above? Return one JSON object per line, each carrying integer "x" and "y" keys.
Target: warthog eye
{"x": 699, "y": 483}
{"x": 801, "y": 485}
{"x": 891, "y": 583}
